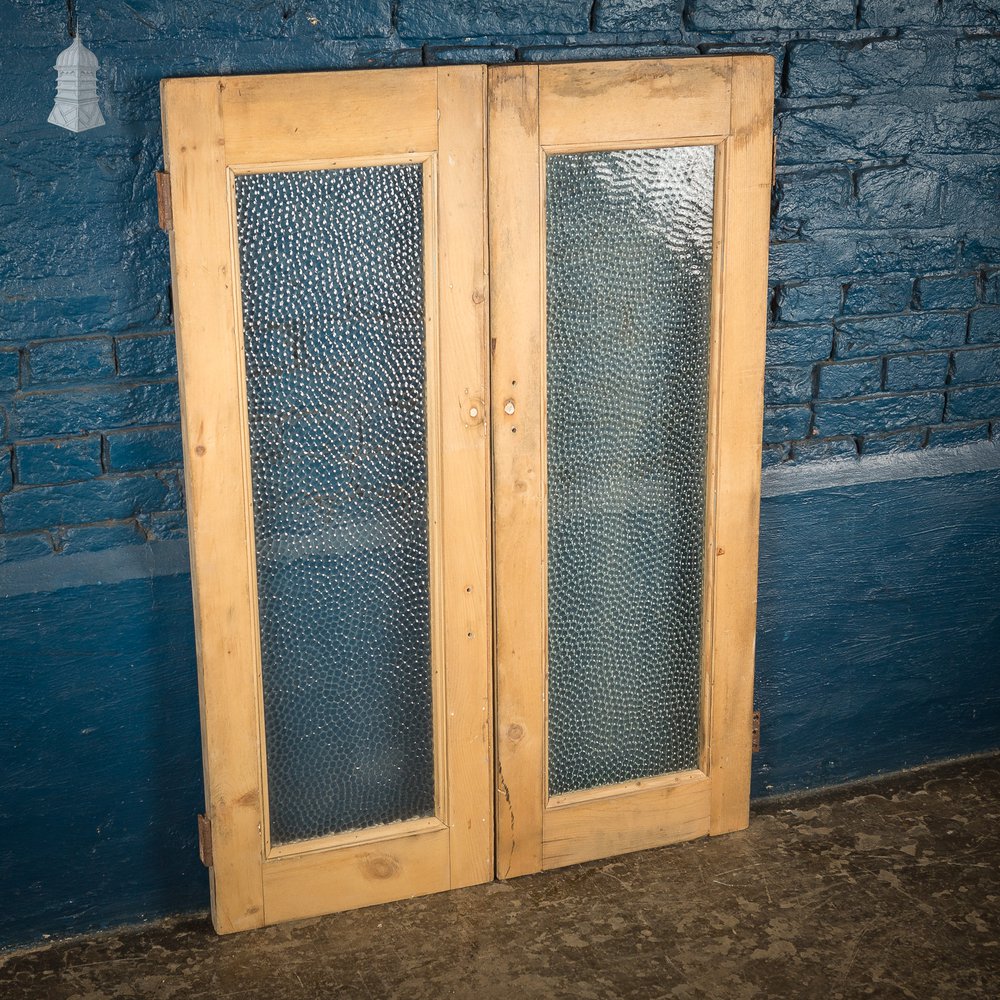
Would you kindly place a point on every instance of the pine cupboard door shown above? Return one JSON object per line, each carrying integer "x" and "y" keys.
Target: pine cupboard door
{"x": 329, "y": 260}
{"x": 629, "y": 211}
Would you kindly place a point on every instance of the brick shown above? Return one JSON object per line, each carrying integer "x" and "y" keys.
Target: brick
{"x": 146, "y": 355}
{"x": 783, "y": 423}
{"x": 813, "y": 300}
{"x": 916, "y": 371}
{"x": 424, "y": 19}
{"x": 165, "y": 525}
{"x": 825, "y": 449}
{"x": 847, "y": 253}
{"x": 978, "y": 365}
{"x": 949, "y": 291}
{"x": 957, "y": 435}
{"x": 638, "y": 15}
{"x": 991, "y": 289}
{"x": 962, "y": 127}
{"x": 80, "y": 359}
{"x": 583, "y": 53}
{"x": 984, "y": 325}
{"x": 772, "y": 455}
{"x": 17, "y": 548}
{"x": 899, "y": 195}
{"x": 105, "y": 498}
{"x": 886, "y": 295}
{"x": 980, "y": 403}
{"x": 890, "y": 334}
{"x": 10, "y": 363}
{"x": 893, "y": 443}
{"x": 799, "y": 345}
{"x": 146, "y": 448}
{"x": 977, "y": 63}
{"x": 823, "y": 69}
{"x": 740, "y": 15}
{"x": 809, "y": 201}
{"x": 966, "y": 182}
{"x": 877, "y": 413}
{"x": 904, "y": 13}
{"x": 851, "y": 378}
{"x": 97, "y": 537}
{"x": 41, "y": 462}
{"x": 6, "y": 471}
{"x": 73, "y": 411}
{"x": 838, "y": 132}
{"x": 788, "y": 384}
{"x": 316, "y": 22}
{"x": 466, "y": 54}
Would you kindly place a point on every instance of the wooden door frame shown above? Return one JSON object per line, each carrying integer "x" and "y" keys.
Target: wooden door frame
{"x": 215, "y": 127}
{"x": 535, "y": 109}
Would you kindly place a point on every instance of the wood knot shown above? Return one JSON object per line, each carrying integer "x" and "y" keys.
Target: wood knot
{"x": 380, "y": 866}
{"x": 515, "y": 732}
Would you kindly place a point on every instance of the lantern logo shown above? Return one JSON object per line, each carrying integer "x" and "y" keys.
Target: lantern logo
{"x": 76, "y": 89}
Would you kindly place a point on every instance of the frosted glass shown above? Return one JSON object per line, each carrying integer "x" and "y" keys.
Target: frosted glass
{"x": 629, "y": 261}
{"x": 331, "y": 267}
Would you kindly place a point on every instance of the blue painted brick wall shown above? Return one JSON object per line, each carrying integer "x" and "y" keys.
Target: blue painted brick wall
{"x": 886, "y": 222}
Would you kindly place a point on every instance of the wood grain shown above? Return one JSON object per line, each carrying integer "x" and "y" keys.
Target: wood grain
{"x": 668, "y": 811}
{"x": 306, "y": 116}
{"x": 631, "y": 101}
{"x": 330, "y": 881}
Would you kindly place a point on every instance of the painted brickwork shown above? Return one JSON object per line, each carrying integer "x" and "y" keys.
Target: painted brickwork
{"x": 884, "y": 305}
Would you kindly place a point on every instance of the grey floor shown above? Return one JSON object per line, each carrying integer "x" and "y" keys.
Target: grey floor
{"x": 889, "y": 889}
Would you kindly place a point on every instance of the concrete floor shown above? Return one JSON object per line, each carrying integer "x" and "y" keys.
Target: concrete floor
{"x": 888, "y": 889}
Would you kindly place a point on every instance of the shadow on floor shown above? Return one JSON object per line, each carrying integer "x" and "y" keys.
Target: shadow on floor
{"x": 886, "y": 889}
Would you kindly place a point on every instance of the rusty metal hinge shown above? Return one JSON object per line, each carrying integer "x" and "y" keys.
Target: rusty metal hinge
{"x": 755, "y": 733}
{"x": 164, "y": 206}
{"x": 205, "y": 840}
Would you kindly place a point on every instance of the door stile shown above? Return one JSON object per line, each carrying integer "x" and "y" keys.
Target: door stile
{"x": 744, "y": 297}
{"x": 516, "y": 317}
{"x": 204, "y": 289}
{"x": 467, "y": 483}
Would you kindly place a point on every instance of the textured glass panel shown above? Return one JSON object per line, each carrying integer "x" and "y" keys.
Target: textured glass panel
{"x": 331, "y": 265}
{"x": 629, "y": 255}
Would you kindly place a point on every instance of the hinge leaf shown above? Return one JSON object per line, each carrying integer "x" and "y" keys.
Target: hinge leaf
{"x": 205, "y": 840}
{"x": 164, "y": 206}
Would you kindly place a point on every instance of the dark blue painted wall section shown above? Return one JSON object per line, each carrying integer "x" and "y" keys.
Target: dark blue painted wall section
{"x": 878, "y": 611}
{"x": 878, "y": 638}
{"x": 100, "y": 749}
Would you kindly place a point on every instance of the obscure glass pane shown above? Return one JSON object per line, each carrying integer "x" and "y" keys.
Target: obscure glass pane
{"x": 629, "y": 261}
{"x": 331, "y": 265}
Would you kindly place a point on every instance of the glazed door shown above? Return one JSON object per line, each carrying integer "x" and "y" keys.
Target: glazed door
{"x": 393, "y": 541}
{"x": 329, "y": 255}
{"x": 628, "y": 243}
